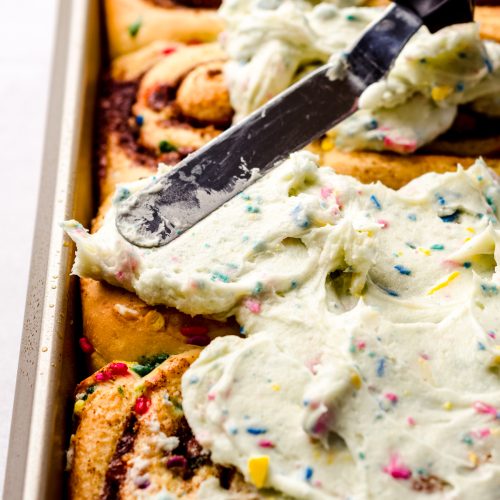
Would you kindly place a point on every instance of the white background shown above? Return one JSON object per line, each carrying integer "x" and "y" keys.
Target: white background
{"x": 26, "y": 43}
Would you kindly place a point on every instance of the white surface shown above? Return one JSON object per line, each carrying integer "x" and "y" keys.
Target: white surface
{"x": 26, "y": 40}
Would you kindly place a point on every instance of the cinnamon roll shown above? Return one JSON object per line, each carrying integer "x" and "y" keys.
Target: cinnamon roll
{"x": 158, "y": 105}
{"x": 131, "y": 439}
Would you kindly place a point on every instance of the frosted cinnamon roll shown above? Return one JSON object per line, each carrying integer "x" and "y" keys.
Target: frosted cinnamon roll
{"x": 440, "y": 96}
{"x": 119, "y": 325}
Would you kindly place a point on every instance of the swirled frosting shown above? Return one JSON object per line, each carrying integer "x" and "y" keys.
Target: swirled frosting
{"x": 370, "y": 356}
{"x": 272, "y": 43}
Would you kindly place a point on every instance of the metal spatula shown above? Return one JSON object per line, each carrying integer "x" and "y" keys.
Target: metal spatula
{"x": 227, "y": 165}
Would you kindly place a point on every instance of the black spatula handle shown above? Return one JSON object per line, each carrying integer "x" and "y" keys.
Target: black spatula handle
{"x": 437, "y": 14}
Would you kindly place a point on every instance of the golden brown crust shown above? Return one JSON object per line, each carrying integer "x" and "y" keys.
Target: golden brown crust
{"x": 98, "y": 220}
{"x": 103, "y": 417}
{"x": 487, "y": 146}
{"x": 132, "y": 66}
{"x": 203, "y": 95}
{"x": 487, "y": 15}
{"x": 488, "y": 18}
{"x": 119, "y": 167}
{"x": 391, "y": 169}
{"x": 132, "y": 436}
{"x": 121, "y": 326}
{"x": 132, "y": 24}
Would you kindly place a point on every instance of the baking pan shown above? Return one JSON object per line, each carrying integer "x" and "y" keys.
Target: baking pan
{"x": 48, "y": 365}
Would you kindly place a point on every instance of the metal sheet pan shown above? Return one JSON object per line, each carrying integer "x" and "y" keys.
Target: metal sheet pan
{"x": 48, "y": 365}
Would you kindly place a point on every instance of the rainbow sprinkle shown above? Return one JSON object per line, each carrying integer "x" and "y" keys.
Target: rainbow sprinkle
{"x": 375, "y": 201}
{"x": 402, "y": 270}
{"x": 381, "y": 367}
{"x": 253, "y": 306}
{"x": 440, "y": 93}
{"x": 258, "y": 468}
{"x": 391, "y": 397}
{"x": 486, "y": 409}
{"x": 133, "y": 29}
{"x": 266, "y": 443}
{"x": 255, "y": 431}
{"x": 308, "y": 474}
{"x": 442, "y": 284}
{"x": 397, "y": 469}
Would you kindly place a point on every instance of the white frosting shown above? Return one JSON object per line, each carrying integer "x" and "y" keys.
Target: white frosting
{"x": 272, "y": 43}
{"x": 370, "y": 363}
